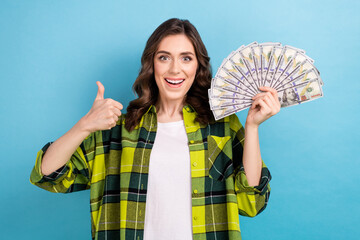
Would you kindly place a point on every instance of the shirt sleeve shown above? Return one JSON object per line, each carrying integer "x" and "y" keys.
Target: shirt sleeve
{"x": 74, "y": 176}
{"x": 252, "y": 200}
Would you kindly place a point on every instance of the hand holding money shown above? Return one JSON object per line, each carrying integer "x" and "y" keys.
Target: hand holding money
{"x": 265, "y": 105}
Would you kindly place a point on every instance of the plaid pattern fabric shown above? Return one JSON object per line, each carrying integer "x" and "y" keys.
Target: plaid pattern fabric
{"x": 114, "y": 165}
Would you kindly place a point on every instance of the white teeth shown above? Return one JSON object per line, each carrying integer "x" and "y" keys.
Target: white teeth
{"x": 174, "y": 81}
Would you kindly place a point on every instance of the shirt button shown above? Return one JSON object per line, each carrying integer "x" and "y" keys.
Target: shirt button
{"x": 195, "y": 218}
{"x": 194, "y": 164}
{"x": 195, "y": 191}
{"x": 192, "y": 141}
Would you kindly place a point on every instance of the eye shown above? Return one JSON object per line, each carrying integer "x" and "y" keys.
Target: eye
{"x": 187, "y": 59}
{"x": 163, "y": 58}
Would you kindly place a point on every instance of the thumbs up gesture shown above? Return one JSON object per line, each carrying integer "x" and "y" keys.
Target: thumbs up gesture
{"x": 104, "y": 113}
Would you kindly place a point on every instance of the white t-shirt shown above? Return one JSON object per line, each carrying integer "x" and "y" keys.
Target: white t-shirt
{"x": 168, "y": 200}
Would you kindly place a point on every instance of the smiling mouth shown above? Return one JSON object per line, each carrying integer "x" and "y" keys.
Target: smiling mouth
{"x": 174, "y": 82}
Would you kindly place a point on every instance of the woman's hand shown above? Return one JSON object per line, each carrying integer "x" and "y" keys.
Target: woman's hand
{"x": 265, "y": 105}
{"x": 103, "y": 114}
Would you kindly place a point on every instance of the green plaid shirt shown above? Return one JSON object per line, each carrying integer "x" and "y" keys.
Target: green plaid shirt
{"x": 114, "y": 165}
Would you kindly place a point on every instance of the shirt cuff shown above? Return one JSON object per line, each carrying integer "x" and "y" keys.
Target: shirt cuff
{"x": 38, "y": 176}
{"x": 243, "y": 185}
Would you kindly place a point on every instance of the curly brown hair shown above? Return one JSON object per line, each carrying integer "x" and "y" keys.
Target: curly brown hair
{"x": 145, "y": 86}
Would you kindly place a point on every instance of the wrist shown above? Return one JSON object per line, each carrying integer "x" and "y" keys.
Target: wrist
{"x": 82, "y": 127}
{"x": 251, "y": 126}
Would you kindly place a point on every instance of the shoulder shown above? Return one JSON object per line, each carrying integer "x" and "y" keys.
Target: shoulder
{"x": 234, "y": 122}
{"x": 228, "y": 126}
{"x": 121, "y": 120}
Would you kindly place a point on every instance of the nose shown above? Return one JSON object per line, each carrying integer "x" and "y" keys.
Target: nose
{"x": 175, "y": 67}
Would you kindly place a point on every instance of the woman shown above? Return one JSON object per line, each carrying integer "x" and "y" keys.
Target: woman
{"x": 202, "y": 173}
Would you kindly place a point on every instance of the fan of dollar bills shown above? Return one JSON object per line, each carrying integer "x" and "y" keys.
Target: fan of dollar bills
{"x": 284, "y": 68}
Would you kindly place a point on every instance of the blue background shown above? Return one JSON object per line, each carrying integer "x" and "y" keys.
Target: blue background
{"x": 53, "y": 52}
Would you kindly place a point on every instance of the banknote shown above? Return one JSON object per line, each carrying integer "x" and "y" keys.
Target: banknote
{"x": 258, "y": 64}
{"x": 220, "y": 82}
{"x": 222, "y": 93}
{"x": 227, "y": 111}
{"x": 267, "y": 54}
{"x": 300, "y": 93}
{"x": 246, "y": 58}
{"x": 242, "y": 63}
{"x": 303, "y": 77}
{"x": 285, "y": 68}
{"x": 235, "y": 75}
{"x": 218, "y": 103}
{"x": 291, "y": 95}
{"x": 300, "y": 65}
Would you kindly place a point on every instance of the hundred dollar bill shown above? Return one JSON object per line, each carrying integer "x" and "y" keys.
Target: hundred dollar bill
{"x": 306, "y": 76}
{"x": 277, "y": 56}
{"x": 256, "y": 54}
{"x": 221, "y": 93}
{"x": 247, "y": 58}
{"x": 285, "y": 65}
{"x": 292, "y": 71}
{"x": 235, "y": 76}
{"x": 227, "y": 111}
{"x": 301, "y": 66}
{"x": 290, "y": 96}
{"x": 267, "y": 55}
{"x": 300, "y": 93}
{"x": 285, "y": 68}
{"x": 307, "y": 66}
{"x": 219, "y": 82}
{"x": 236, "y": 60}
{"x": 218, "y": 103}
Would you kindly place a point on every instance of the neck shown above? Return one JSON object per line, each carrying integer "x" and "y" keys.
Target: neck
{"x": 169, "y": 111}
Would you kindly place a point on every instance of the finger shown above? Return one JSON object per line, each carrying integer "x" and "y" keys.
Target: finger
{"x": 271, "y": 99}
{"x": 262, "y": 95}
{"x": 255, "y": 103}
{"x": 111, "y": 123}
{"x": 116, "y": 111}
{"x": 264, "y": 99}
{"x": 264, "y": 107}
{"x": 269, "y": 89}
{"x": 259, "y": 95}
{"x": 268, "y": 102}
{"x": 118, "y": 105}
{"x": 265, "y": 91}
{"x": 101, "y": 90}
{"x": 114, "y": 103}
{"x": 273, "y": 95}
{"x": 272, "y": 103}
{"x": 116, "y": 118}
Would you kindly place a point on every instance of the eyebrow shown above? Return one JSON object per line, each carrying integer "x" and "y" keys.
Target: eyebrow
{"x": 166, "y": 52}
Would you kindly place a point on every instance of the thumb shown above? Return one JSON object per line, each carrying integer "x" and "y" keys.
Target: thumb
{"x": 101, "y": 90}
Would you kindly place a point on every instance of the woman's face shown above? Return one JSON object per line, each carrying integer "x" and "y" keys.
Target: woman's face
{"x": 175, "y": 65}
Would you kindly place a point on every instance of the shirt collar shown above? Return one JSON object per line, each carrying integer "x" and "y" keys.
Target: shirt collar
{"x": 151, "y": 109}
{"x": 187, "y": 107}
